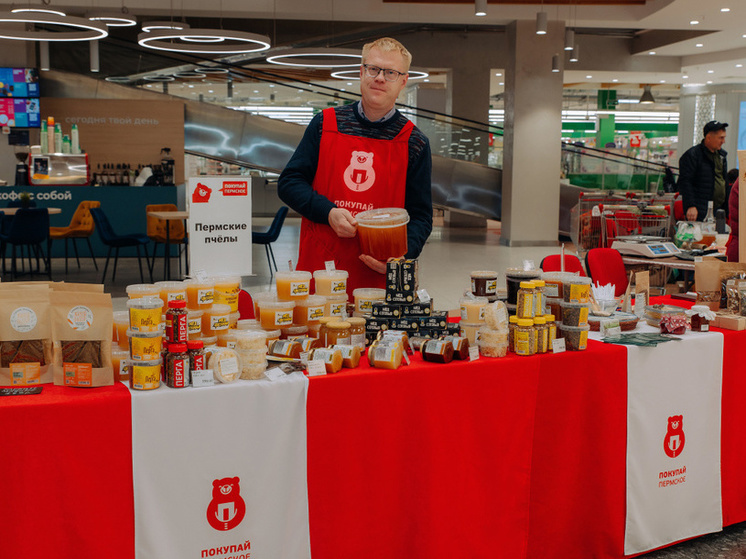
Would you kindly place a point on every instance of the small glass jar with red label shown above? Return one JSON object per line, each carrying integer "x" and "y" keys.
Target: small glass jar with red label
{"x": 177, "y": 366}
{"x": 177, "y": 325}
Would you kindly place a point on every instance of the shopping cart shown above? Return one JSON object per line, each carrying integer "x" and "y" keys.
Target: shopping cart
{"x": 585, "y": 219}
{"x": 620, "y": 221}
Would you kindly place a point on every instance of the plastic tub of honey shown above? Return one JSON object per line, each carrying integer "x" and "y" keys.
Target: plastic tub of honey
{"x": 145, "y": 346}
{"x": 513, "y": 279}
{"x": 292, "y": 286}
{"x": 215, "y": 319}
{"x": 577, "y": 289}
{"x": 144, "y": 375}
{"x": 332, "y": 358}
{"x": 365, "y": 297}
{"x": 145, "y": 314}
{"x": 576, "y": 337}
{"x": 385, "y": 354}
{"x": 171, "y": 291}
{"x": 350, "y": 355}
{"x": 233, "y": 320}
{"x": 383, "y": 232}
{"x": 285, "y": 348}
{"x": 553, "y": 282}
{"x": 335, "y": 305}
{"x": 259, "y": 298}
{"x": 469, "y": 330}
{"x": 118, "y": 356}
{"x": 330, "y": 282}
{"x": 554, "y": 306}
{"x": 276, "y": 314}
{"x": 272, "y": 335}
{"x": 209, "y": 341}
{"x": 293, "y": 332}
{"x": 194, "y": 324}
{"x": 472, "y": 309}
{"x": 248, "y": 324}
{"x": 199, "y": 294}
{"x": 226, "y": 291}
{"x": 137, "y": 290}
{"x": 309, "y": 310}
{"x": 574, "y": 314}
{"x": 484, "y": 283}
{"x": 227, "y": 338}
{"x": 121, "y": 325}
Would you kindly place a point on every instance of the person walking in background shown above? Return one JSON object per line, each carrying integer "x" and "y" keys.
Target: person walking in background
{"x": 702, "y": 173}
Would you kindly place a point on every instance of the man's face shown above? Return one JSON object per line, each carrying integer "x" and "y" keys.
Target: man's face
{"x": 378, "y": 93}
{"x": 715, "y": 140}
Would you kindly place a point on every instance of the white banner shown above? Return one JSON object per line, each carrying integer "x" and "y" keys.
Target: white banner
{"x": 673, "y": 441}
{"x": 220, "y": 472}
{"x": 220, "y": 224}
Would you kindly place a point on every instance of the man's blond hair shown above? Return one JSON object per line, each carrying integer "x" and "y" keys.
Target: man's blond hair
{"x": 387, "y": 44}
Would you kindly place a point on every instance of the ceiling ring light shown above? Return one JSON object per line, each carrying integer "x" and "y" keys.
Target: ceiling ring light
{"x": 113, "y": 19}
{"x": 201, "y": 41}
{"x": 190, "y": 74}
{"x": 156, "y": 25}
{"x": 355, "y": 74}
{"x": 118, "y": 79}
{"x": 206, "y": 70}
{"x": 83, "y": 29}
{"x": 38, "y": 11}
{"x": 159, "y": 78}
{"x": 318, "y": 58}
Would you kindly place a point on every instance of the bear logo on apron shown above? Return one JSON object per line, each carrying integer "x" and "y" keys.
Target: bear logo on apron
{"x": 359, "y": 175}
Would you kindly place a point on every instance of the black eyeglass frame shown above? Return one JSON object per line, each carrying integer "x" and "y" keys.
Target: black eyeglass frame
{"x": 387, "y": 72}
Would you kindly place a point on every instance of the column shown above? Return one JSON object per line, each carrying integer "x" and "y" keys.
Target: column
{"x": 533, "y": 129}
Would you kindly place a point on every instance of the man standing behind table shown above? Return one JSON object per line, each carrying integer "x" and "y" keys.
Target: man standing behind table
{"x": 703, "y": 173}
{"x": 355, "y": 158}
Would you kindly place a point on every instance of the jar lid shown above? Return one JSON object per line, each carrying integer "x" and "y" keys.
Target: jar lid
{"x": 177, "y": 304}
{"x": 172, "y": 285}
{"x": 539, "y": 283}
{"x": 513, "y": 318}
{"x": 145, "y": 303}
{"x": 328, "y": 319}
{"x": 140, "y": 289}
{"x": 297, "y": 275}
{"x": 487, "y": 274}
{"x": 177, "y": 348}
{"x": 338, "y": 325}
{"x": 549, "y": 317}
{"x": 356, "y": 321}
{"x": 475, "y": 300}
{"x": 525, "y": 322}
{"x": 382, "y": 217}
{"x": 526, "y": 284}
{"x": 195, "y": 344}
{"x": 330, "y": 274}
{"x": 269, "y": 305}
{"x": 540, "y": 320}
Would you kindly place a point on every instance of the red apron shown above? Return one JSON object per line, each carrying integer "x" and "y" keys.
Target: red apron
{"x": 357, "y": 174}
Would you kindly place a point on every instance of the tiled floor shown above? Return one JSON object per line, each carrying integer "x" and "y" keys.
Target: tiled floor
{"x": 446, "y": 261}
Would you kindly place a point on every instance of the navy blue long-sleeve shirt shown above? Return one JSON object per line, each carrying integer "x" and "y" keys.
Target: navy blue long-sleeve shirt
{"x": 295, "y": 183}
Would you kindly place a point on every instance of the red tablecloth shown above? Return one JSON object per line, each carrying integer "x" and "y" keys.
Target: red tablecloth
{"x": 66, "y": 474}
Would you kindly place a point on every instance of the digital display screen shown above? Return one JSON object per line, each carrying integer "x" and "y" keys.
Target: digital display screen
{"x": 19, "y": 82}
{"x": 658, "y": 250}
{"x": 20, "y": 113}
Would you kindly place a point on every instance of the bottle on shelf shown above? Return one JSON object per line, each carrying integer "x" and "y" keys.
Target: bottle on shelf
{"x": 57, "y": 138}
{"x": 75, "y": 140}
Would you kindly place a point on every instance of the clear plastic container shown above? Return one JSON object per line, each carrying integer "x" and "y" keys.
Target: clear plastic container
{"x": 574, "y": 314}
{"x": 383, "y": 232}
{"x": 554, "y": 282}
{"x": 576, "y": 337}
{"x": 336, "y": 305}
{"x": 469, "y": 330}
{"x": 330, "y": 282}
{"x": 513, "y": 279}
{"x": 248, "y": 324}
{"x": 273, "y": 335}
{"x": 226, "y": 291}
{"x": 472, "y": 309}
{"x": 292, "y": 286}
{"x": 200, "y": 295}
{"x": 215, "y": 319}
{"x": 525, "y": 337}
{"x": 577, "y": 289}
{"x": 484, "y": 283}
{"x": 121, "y": 325}
{"x": 259, "y": 298}
{"x": 144, "y": 375}
{"x": 137, "y": 290}
{"x": 194, "y": 324}
{"x": 309, "y": 310}
{"x": 171, "y": 291}
{"x": 118, "y": 356}
{"x": 251, "y": 339}
{"x": 276, "y": 314}
{"x": 145, "y": 346}
{"x": 293, "y": 332}
{"x": 365, "y": 297}
{"x": 145, "y": 314}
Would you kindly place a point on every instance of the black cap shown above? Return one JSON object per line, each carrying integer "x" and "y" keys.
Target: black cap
{"x": 714, "y": 126}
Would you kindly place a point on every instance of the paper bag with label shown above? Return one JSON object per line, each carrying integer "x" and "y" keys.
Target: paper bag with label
{"x": 25, "y": 337}
{"x": 81, "y": 328}
{"x": 642, "y": 292}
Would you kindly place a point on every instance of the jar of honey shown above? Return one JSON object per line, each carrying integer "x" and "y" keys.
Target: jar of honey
{"x": 118, "y": 357}
{"x": 248, "y": 324}
{"x": 226, "y": 291}
{"x": 199, "y": 294}
{"x": 227, "y": 338}
{"x": 332, "y": 282}
{"x": 293, "y": 332}
{"x": 383, "y": 232}
{"x": 469, "y": 330}
{"x": 366, "y": 296}
{"x": 137, "y": 290}
{"x": 145, "y": 314}
{"x": 276, "y": 314}
{"x": 215, "y": 319}
{"x": 121, "y": 325}
{"x": 144, "y": 375}
{"x": 273, "y": 335}
{"x": 357, "y": 331}
{"x": 145, "y": 346}
{"x": 525, "y": 300}
{"x": 525, "y": 337}
{"x": 472, "y": 309}
{"x": 484, "y": 283}
{"x": 309, "y": 310}
{"x": 336, "y": 305}
{"x": 171, "y": 291}
{"x": 542, "y": 334}
{"x": 292, "y": 286}
{"x": 194, "y": 325}
{"x": 338, "y": 332}
{"x": 323, "y": 328}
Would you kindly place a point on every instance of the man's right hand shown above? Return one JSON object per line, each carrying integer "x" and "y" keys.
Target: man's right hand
{"x": 342, "y": 223}
{"x": 691, "y": 214}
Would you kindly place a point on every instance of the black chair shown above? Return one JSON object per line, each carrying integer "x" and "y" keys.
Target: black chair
{"x": 270, "y": 236}
{"x": 29, "y": 228}
{"x": 114, "y": 241}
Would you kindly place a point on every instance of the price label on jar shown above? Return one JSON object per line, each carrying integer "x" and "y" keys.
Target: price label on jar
{"x": 473, "y": 353}
{"x": 316, "y": 367}
{"x": 558, "y": 345}
{"x": 202, "y": 378}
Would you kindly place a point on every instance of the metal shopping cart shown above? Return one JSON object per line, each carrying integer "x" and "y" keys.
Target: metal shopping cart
{"x": 620, "y": 221}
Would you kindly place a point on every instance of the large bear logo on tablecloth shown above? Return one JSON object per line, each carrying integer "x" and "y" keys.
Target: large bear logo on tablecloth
{"x": 227, "y": 508}
{"x": 359, "y": 175}
{"x": 673, "y": 444}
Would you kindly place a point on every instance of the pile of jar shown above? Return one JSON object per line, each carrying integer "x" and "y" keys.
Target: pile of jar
{"x": 532, "y": 328}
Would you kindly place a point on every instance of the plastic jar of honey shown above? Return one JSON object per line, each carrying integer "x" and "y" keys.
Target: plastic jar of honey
{"x": 276, "y": 314}
{"x": 366, "y": 296}
{"x": 542, "y": 334}
{"x": 383, "y": 232}
{"x": 525, "y": 337}
{"x": 484, "y": 283}
{"x": 350, "y": 355}
{"x": 292, "y": 286}
{"x": 145, "y": 314}
{"x": 215, "y": 319}
{"x": 513, "y": 279}
{"x": 272, "y": 335}
{"x": 248, "y": 324}
{"x": 469, "y": 330}
{"x": 227, "y": 338}
{"x": 293, "y": 332}
{"x": 330, "y": 282}
{"x": 194, "y": 324}
{"x": 525, "y": 300}
{"x": 386, "y": 354}
{"x": 259, "y": 298}
{"x": 332, "y": 358}
{"x": 309, "y": 310}
{"x": 137, "y": 290}
{"x": 336, "y": 305}
{"x": 171, "y": 291}
{"x": 118, "y": 357}
{"x": 357, "y": 331}
{"x": 512, "y": 323}
{"x": 226, "y": 291}
{"x": 145, "y": 346}
{"x": 200, "y": 294}
{"x": 437, "y": 351}
{"x": 121, "y": 325}
{"x": 285, "y": 348}
{"x": 472, "y": 309}
{"x": 338, "y": 333}
{"x": 551, "y": 330}
{"x": 323, "y": 328}
{"x": 144, "y": 375}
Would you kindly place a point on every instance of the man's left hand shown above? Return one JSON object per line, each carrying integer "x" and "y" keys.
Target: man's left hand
{"x": 373, "y": 264}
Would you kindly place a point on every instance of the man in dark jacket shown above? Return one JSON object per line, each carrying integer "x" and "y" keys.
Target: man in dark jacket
{"x": 703, "y": 173}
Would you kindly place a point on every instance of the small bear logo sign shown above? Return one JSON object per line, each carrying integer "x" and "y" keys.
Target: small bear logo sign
{"x": 673, "y": 443}
{"x": 227, "y": 508}
{"x": 359, "y": 175}
{"x": 201, "y": 194}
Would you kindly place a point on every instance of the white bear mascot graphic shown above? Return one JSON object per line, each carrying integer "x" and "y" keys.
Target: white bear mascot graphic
{"x": 359, "y": 175}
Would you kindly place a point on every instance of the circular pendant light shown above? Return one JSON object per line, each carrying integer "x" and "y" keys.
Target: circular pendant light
{"x": 71, "y": 28}
{"x": 158, "y": 78}
{"x": 203, "y": 41}
{"x": 118, "y": 79}
{"x": 211, "y": 70}
{"x": 113, "y": 18}
{"x": 318, "y": 58}
{"x": 157, "y": 25}
{"x": 355, "y": 74}
{"x": 38, "y": 11}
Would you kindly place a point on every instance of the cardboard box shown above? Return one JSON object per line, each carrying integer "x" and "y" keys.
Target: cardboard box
{"x": 386, "y": 310}
{"x": 418, "y": 309}
{"x": 729, "y": 321}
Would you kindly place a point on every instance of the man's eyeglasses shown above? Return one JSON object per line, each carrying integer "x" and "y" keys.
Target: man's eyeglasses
{"x": 388, "y": 74}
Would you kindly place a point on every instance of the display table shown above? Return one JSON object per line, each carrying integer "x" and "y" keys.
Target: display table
{"x": 515, "y": 457}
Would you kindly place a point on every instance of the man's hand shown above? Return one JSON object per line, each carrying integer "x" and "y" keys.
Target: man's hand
{"x": 373, "y": 264}
{"x": 691, "y": 214}
{"x": 342, "y": 223}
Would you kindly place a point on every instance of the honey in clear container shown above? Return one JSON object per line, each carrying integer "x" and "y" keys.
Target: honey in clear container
{"x": 383, "y": 232}
{"x": 292, "y": 286}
